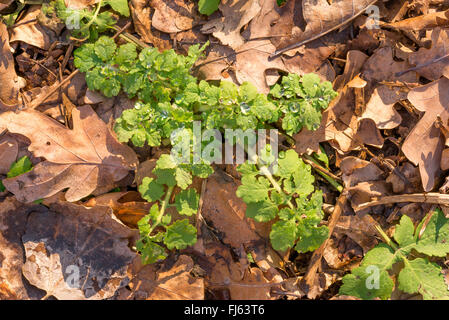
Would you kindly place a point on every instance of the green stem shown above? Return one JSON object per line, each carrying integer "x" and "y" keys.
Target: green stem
{"x": 329, "y": 179}
{"x": 386, "y": 238}
{"x": 97, "y": 11}
{"x": 162, "y": 210}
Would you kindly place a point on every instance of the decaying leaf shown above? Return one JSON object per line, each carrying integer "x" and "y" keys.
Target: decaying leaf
{"x": 73, "y": 252}
{"x": 321, "y": 17}
{"x": 30, "y": 31}
{"x": 172, "y": 281}
{"x": 236, "y": 14}
{"x": 82, "y": 160}
{"x": 425, "y": 143}
{"x": 9, "y": 89}
{"x": 173, "y": 16}
{"x": 434, "y": 61}
{"x": 9, "y": 149}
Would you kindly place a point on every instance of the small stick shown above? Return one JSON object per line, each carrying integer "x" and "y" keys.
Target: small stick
{"x": 432, "y": 197}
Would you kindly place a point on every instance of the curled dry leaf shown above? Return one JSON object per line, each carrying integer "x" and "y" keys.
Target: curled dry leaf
{"x": 223, "y": 210}
{"x": 424, "y": 144}
{"x": 173, "y": 15}
{"x": 9, "y": 88}
{"x": 434, "y": 61}
{"x": 321, "y": 18}
{"x": 356, "y": 170}
{"x": 29, "y": 30}
{"x": 253, "y": 61}
{"x": 172, "y": 281}
{"x": 9, "y": 149}
{"x": 426, "y": 21}
{"x": 128, "y": 206}
{"x": 82, "y": 160}
{"x": 381, "y": 66}
{"x": 359, "y": 229}
{"x": 13, "y": 219}
{"x": 236, "y": 14}
{"x": 73, "y": 252}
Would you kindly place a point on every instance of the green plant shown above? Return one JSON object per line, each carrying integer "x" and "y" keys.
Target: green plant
{"x": 286, "y": 194}
{"x": 169, "y": 98}
{"x": 86, "y": 23}
{"x": 157, "y": 227}
{"x": 208, "y": 7}
{"x": 412, "y": 253}
{"x": 302, "y": 100}
{"x": 21, "y": 166}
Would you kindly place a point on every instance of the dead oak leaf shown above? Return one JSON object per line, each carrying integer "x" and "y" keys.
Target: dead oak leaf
{"x": 82, "y": 160}
{"x": 424, "y": 144}
{"x": 321, "y": 18}
{"x": 236, "y": 14}
{"x": 29, "y": 30}
{"x": 172, "y": 16}
{"x": 9, "y": 88}
{"x": 253, "y": 61}
{"x": 432, "y": 60}
{"x": 172, "y": 281}
{"x": 9, "y": 149}
{"x": 77, "y": 253}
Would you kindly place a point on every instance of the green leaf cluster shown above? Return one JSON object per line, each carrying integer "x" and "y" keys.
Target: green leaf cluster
{"x": 157, "y": 228}
{"x": 301, "y": 100}
{"x": 411, "y": 251}
{"x": 288, "y": 195}
{"x": 170, "y": 98}
{"x": 86, "y": 23}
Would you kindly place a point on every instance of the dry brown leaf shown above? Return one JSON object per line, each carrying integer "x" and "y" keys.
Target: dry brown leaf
{"x": 29, "y": 30}
{"x": 427, "y": 21}
{"x": 73, "y": 252}
{"x": 128, "y": 207}
{"x": 253, "y": 61}
{"x": 172, "y": 281}
{"x": 356, "y": 170}
{"x": 433, "y": 67}
{"x": 9, "y": 88}
{"x": 359, "y": 229}
{"x": 79, "y": 4}
{"x": 9, "y": 149}
{"x": 13, "y": 218}
{"x": 380, "y": 107}
{"x": 424, "y": 144}
{"x": 82, "y": 160}
{"x": 322, "y": 17}
{"x": 236, "y": 14}
{"x": 223, "y": 210}
{"x": 173, "y": 15}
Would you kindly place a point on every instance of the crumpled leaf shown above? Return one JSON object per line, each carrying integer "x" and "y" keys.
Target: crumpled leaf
{"x": 9, "y": 149}
{"x": 29, "y": 30}
{"x": 321, "y": 17}
{"x": 424, "y": 56}
{"x": 424, "y": 144}
{"x": 73, "y": 252}
{"x": 169, "y": 282}
{"x": 173, "y": 15}
{"x": 9, "y": 89}
{"x": 236, "y": 14}
{"x": 82, "y": 160}
{"x": 253, "y": 62}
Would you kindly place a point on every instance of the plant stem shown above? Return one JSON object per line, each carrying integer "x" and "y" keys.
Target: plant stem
{"x": 323, "y": 172}
{"x": 162, "y": 210}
